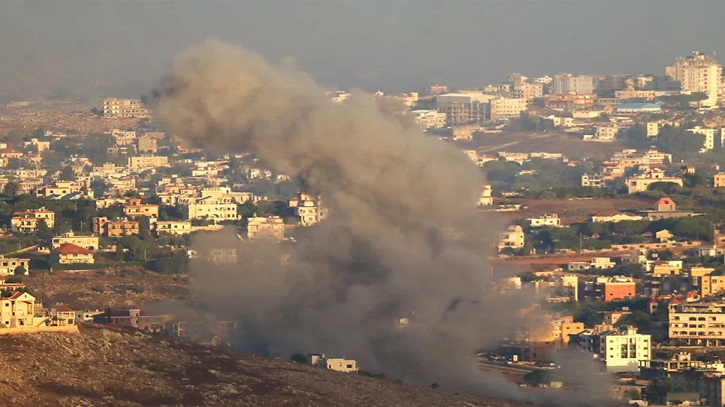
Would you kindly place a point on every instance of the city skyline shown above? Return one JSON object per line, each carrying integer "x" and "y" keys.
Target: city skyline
{"x": 122, "y": 48}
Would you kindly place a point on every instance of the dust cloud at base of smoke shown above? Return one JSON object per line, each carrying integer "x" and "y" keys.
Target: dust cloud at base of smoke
{"x": 396, "y": 242}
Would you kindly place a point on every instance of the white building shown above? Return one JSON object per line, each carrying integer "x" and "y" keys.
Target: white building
{"x": 598, "y": 263}
{"x": 512, "y": 237}
{"x": 211, "y": 211}
{"x": 429, "y": 119}
{"x": 623, "y": 350}
{"x": 544, "y": 220}
{"x": 698, "y": 73}
{"x": 709, "y": 142}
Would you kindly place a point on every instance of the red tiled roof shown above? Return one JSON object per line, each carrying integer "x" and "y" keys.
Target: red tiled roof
{"x": 664, "y": 201}
{"x": 70, "y": 248}
{"x": 63, "y": 308}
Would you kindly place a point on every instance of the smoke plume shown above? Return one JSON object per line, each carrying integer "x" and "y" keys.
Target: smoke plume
{"x": 397, "y": 243}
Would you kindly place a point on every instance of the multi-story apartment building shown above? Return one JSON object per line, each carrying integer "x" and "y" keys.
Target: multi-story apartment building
{"x": 429, "y": 119}
{"x": 309, "y": 209}
{"x": 147, "y": 145}
{"x": 134, "y": 208}
{"x": 594, "y": 181}
{"x": 709, "y": 142}
{"x": 59, "y": 188}
{"x": 124, "y": 108}
{"x": 72, "y": 254}
{"x": 123, "y": 137}
{"x": 147, "y": 161}
{"x": 699, "y": 324}
{"x": 503, "y": 108}
{"x": 623, "y": 350}
{"x": 462, "y": 108}
{"x": 566, "y": 83}
{"x": 698, "y": 73}
{"x": 215, "y": 212}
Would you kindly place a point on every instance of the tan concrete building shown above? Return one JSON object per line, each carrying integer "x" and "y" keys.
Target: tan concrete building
{"x": 172, "y": 227}
{"x": 640, "y": 183}
{"x": 719, "y": 180}
{"x": 124, "y": 108}
{"x": 86, "y": 242}
{"x": 269, "y": 227}
{"x": 27, "y": 221}
{"x": 147, "y": 161}
{"x": 701, "y": 324}
{"x": 503, "y": 108}
{"x": 72, "y": 254}
{"x": 8, "y": 265}
{"x": 512, "y": 237}
{"x": 115, "y": 228}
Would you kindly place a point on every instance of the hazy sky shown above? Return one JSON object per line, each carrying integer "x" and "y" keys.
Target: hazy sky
{"x": 122, "y": 48}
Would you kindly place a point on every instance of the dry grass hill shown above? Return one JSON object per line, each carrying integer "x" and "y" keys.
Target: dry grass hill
{"x": 102, "y": 366}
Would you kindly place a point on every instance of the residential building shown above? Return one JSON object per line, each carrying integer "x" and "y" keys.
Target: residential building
{"x": 597, "y": 263}
{"x": 147, "y": 161}
{"x": 124, "y": 137}
{"x": 698, "y": 324}
{"x": 172, "y": 227}
{"x": 134, "y": 209}
{"x": 86, "y": 242}
{"x": 62, "y": 315}
{"x": 336, "y": 364}
{"x": 625, "y": 349}
{"x": 58, "y": 189}
{"x": 698, "y": 73}
{"x": 566, "y": 83}
{"x": 569, "y": 102}
{"x": 653, "y": 129}
{"x": 69, "y": 253}
{"x": 617, "y": 288}
{"x": 27, "y": 221}
{"x": 486, "y": 197}
{"x": 635, "y": 107}
{"x": 544, "y": 220}
{"x": 512, "y": 237}
{"x": 461, "y": 108}
{"x": 147, "y": 145}
{"x": 115, "y": 228}
{"x": 429, "y": 119}
{"x": 9, "y": 265}
{"x": 18, "y": 310}
{"x": 215, "y": 212}
{"x": 607, "y": 132}
{"x": 614, "y": 216}
{"x": 709, "y": 142}
{"x": 719, "y": 180}
{"x": 269, "y": 227}
{"x": 124, "y": 108}
{"x": 647, "y": 95}
{"x": 640, "y": 183}
{"x": 594, "y": 181}
{"x": 503, "y": 108}
{"x": 309, "y": 208}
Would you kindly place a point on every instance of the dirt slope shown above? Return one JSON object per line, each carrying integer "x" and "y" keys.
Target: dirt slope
{"x": 111, "y": 367}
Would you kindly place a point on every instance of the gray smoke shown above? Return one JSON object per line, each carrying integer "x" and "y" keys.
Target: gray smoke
{"x": 402, "y": 238}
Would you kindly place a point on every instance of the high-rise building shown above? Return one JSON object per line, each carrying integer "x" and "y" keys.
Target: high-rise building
{"x": 698, "y": 73}
{"x": 566, "y": 83}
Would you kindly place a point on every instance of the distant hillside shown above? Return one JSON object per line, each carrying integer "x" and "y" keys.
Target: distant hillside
{"x": 105, "y": 366}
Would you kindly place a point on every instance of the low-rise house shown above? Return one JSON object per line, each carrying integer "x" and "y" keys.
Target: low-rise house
{"x": 86, "y": 242}
{"x": 336, "y": 364}
{"x": 215, "y": 212}
{"x": 544, "y": 220}
{"x": 614, "y": 216}
{"x": 27, "y": 221}
{"x": 69, "y": 253}
{"x": 640, "y": 183}
{"x": 597, "y": 263}
{"x": 172, "y": 227}
{"x": 11, "y": 266}
{"x": 62, "y": 315}
{"x": 269, "y": 227}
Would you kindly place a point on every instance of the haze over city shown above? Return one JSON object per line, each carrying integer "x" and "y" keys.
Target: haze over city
{"x": 91, "y": 49}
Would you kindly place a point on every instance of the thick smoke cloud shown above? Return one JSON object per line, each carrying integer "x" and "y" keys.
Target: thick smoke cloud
{"x": 397, "y": 242}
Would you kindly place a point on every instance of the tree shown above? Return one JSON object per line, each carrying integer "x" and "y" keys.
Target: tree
{"x": 300, "y": 358}
{"x": 20, "y": 271}
{"x": 11, "y": 188}
{"x": 43, "y": 231}
{"x": 677, "y": 140}
{"x": 67, "y": 173}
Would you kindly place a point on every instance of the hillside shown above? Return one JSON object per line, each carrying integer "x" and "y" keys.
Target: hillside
{"x": 104, "y": 366}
